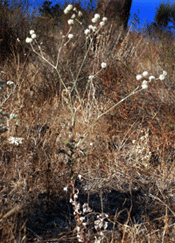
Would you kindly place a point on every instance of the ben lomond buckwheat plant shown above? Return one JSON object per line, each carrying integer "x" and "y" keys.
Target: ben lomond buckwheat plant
{"x": 89, "y": 34}
{"x": 145, "y": 79}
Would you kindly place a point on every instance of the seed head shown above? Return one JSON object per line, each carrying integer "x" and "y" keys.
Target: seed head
{"x": 162, "y": 77}
{"x": 97, "y": 16}
{"x": 70, "y": 21}
{"x": 94, "y": 20}
{"x": 87, "y": 31}
{"x": 164, "y": 73}
{"x": 73, "y": 16}
{"x": 145, "y": 74}
{"x": 68, "y": 9}
{"x": 144, "y": 84}
{"x": 139, "y": 77}
{"x": 151, "y": 78}
{"x": 70, "y": 36}
{"x": 29, "y": 40}
{"x": 32, "y": 32}
{"x": 103, "y": 65}
{"x": 102, "y": 23}
{"x": 104, "y": 19}
{"x": 33, "y": 36}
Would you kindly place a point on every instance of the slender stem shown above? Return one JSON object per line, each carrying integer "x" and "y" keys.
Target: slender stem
{"x": 94, "y": 122}
{"x": 74, "y": 86}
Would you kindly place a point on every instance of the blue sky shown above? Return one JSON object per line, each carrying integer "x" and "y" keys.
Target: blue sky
{"x": 147, "y": 8}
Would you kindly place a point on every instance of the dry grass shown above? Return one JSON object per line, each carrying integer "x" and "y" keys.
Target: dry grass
{"x": 127, "y": 160}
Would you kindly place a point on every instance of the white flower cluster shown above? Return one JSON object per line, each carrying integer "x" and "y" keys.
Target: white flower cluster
{"x": 100, "y": 225}
{"x": 68, "y": 9}
{"x": 33, "y": 36}
{"x": 103, "y": 65}
{"x": 16, "y": 141}
{"x": 91, "y": 28}
{"x": 75, "y": 14}
{"x": 79, "y": 212}
{"x": 145, "y": 74}
{"x": 95, "y": 18}
{"x": 9, "y": 83}
{"x": 162, "y": 76}
{"x": 70, "y": 36}
{"x": 13, "y": 116}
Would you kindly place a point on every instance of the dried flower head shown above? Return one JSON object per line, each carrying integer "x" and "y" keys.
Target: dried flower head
{"x": 102, "y": 23}
{"x": 145, "y": 74}
{"x": 10, "y": 83}
{"x": 151, "y": 78}
{"x": 80, "y": 14}
{"x": 13, "y": 116}
{"x": 32, "y": 32}
{"x": 103, "y": 65}
{"x": 29, "y": 40}
{"x": 139, "y": 77}
{"x": 91, "y": 77}
{"x": 70, "y": 21}
{"x": 87, "y": 31}
{"x": 33, "y": 36}
{"x": 97, "y": 16}
{"x": 94, "y": 20}
{"x": 164, "y": 73}
{"x": 15, "y": 141}
{"x": 104, "y": 19}
{"x": 73, "y": 16}
{"x": 144, "y": 84}
{"x": 65, "y": 189}
{"x": 70, "y": 36}
{"x": 162, "y": 77}
{"x": 68, "y": 9}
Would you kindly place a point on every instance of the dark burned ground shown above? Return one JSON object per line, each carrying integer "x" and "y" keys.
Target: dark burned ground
{"x": 51, "y": 219}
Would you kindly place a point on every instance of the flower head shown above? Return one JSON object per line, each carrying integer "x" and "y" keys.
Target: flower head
{"x": 10, "y": 83}
{"x": 79, "y": 14}
{"x": 29, "y": 40}
{"x": 65, "y": 189}
{"x": 151, "y": 78}
{"x": 94, "y": 20}
{"x": 91, "y": 77}
{"x": 87, "y": 31}
{"x": 104, "y": 19}
{"x": 91, "y": 27}
{"x": 13, "y": 116}
{"x": 32, "y": 32}
{"x": 164, "y": 73}
{"x": 15, "y": 141}
{"x": 33, "y": 36}
{"x": 70, "y": 21}
{"x": 102, "y": 23}
{"x": 145, "y": 74}
{"x": 73, "y": 16}
{"x": 97, "y": 16}
{"x": 162, "y": 77}
{"x": 139, "y": 77}
{"x": 144, "y": 84}
{"x": 103, "y": 65}
{"x": 68, "y": 9}
{"x": 70, "y": 36}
